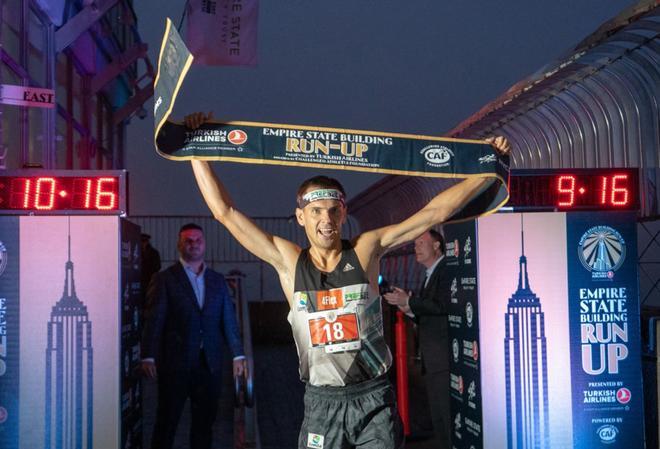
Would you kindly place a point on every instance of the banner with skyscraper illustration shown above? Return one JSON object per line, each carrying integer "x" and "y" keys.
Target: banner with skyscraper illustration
{"x": 559, "y": 331}
{"x": 526, "y": 370}
{"x": 69, "y": 321}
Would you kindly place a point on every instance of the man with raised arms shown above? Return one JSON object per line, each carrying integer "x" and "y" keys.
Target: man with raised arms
{"x": 332, "y": 290}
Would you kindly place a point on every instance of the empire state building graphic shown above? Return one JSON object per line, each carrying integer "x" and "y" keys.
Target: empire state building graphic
{"x": 525, "y": 359}
{"x": 69, "y": 370}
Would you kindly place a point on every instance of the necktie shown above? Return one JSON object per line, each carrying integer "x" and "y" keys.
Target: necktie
{"x": 423, "y": 284}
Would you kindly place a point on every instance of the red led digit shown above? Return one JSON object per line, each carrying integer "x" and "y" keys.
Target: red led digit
{"x": 106, "y": 198}
{"x": 603, "y": 190}
{"x": 88, "y": 192}
{"x": 26, "y": 193}
{"x": 82, "y": 193}
{"x": 19, "y": 193}
{"x": 566, "y": 187}
{"x": 619, "y": 194}
{"x": 45, "y": 193}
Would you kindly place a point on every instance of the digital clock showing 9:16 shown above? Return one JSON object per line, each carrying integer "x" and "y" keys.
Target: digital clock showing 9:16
{"x": 51, "y": 192}
{"x": 574, "y": 189}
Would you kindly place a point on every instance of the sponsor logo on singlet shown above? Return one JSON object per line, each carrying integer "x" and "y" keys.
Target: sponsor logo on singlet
{"x": 329, "y": 299}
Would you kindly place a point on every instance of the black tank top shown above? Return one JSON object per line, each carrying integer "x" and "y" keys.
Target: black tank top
{"x": 337, "y": 323}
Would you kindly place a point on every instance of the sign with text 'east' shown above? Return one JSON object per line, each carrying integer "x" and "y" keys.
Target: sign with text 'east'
{"x": 27, "y": 96}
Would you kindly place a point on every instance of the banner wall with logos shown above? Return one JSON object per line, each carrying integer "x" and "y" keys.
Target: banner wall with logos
{"x": 558, "y": 345}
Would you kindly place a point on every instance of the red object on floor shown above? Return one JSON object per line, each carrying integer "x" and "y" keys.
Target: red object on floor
{"x": 401, "y": 361}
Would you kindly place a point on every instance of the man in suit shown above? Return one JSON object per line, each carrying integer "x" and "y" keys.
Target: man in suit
{"x": 428, "y": 307}
{"x": 189, "y": 318}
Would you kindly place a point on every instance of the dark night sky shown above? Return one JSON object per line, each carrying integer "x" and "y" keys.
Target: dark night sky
{"x": 419, "y": 66}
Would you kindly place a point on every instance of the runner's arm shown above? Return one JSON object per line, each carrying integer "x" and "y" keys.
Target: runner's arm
{"x": 271, "y": 249}
{"x": 440, "y": 209}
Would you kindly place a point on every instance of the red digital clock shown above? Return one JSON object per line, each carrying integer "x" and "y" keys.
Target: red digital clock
{"x": 574, "y": 189}
{"x": 52, "y": 192}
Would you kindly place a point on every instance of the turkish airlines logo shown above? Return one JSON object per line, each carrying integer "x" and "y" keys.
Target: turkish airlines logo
{"x": 623, "y": 395}
{"x": 237, "y": 137}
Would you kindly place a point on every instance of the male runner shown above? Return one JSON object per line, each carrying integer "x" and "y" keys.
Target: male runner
{"x": 332, "y": 290}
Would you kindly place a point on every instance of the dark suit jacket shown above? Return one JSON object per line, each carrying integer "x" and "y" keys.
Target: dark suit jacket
{"x": 430, "y": 307}
{"x": 176, "y": 327}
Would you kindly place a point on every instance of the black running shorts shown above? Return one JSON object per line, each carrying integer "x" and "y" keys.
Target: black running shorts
{"x": 361, "y": 416}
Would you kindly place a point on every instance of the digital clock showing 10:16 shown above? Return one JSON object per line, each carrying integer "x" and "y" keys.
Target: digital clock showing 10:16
{"x": 574, "y": 189}
{"x": 63, "y": 192}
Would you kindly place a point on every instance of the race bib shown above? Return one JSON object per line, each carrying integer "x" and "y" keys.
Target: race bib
{"x": 340, "y": 334}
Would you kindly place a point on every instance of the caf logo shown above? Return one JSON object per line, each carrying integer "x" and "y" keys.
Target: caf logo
{"x": 3, "y": 258}
{"x": 455, "y": 349}
{"x": 237, "y": 137}
{"x": 607, "y": 433}
{"x": 602, "y": 251}
{"x": 437, "y": 155}
{"x": 469, "y": 313}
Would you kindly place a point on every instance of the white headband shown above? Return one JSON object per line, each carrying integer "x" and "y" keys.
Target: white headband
{"x": 321, "y": 194}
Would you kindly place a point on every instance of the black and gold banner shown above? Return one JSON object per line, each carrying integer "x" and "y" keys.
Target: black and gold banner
{"x": 311, "y": 146}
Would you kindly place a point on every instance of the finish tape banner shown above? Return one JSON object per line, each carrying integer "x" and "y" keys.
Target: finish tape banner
{"x": 309, "y": 146}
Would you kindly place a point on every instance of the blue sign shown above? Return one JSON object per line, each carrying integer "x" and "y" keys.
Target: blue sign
{"x": 9, "y": 328}
{"x": 604, "y": 330}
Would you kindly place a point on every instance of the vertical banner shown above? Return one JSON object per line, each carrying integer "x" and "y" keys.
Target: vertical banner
{"x": 605, "y": 330}
{"x": 465, "y": 373}
{"x": 131, "y": 395}
{"x": 9, "y": 330}
{"x": 69, "y": 321}
{"x": 223, "y": 32}
{"x": 523, "y": 309}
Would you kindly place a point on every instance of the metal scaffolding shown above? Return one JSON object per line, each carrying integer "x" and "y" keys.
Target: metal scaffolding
{"x": 595, "y": 107}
